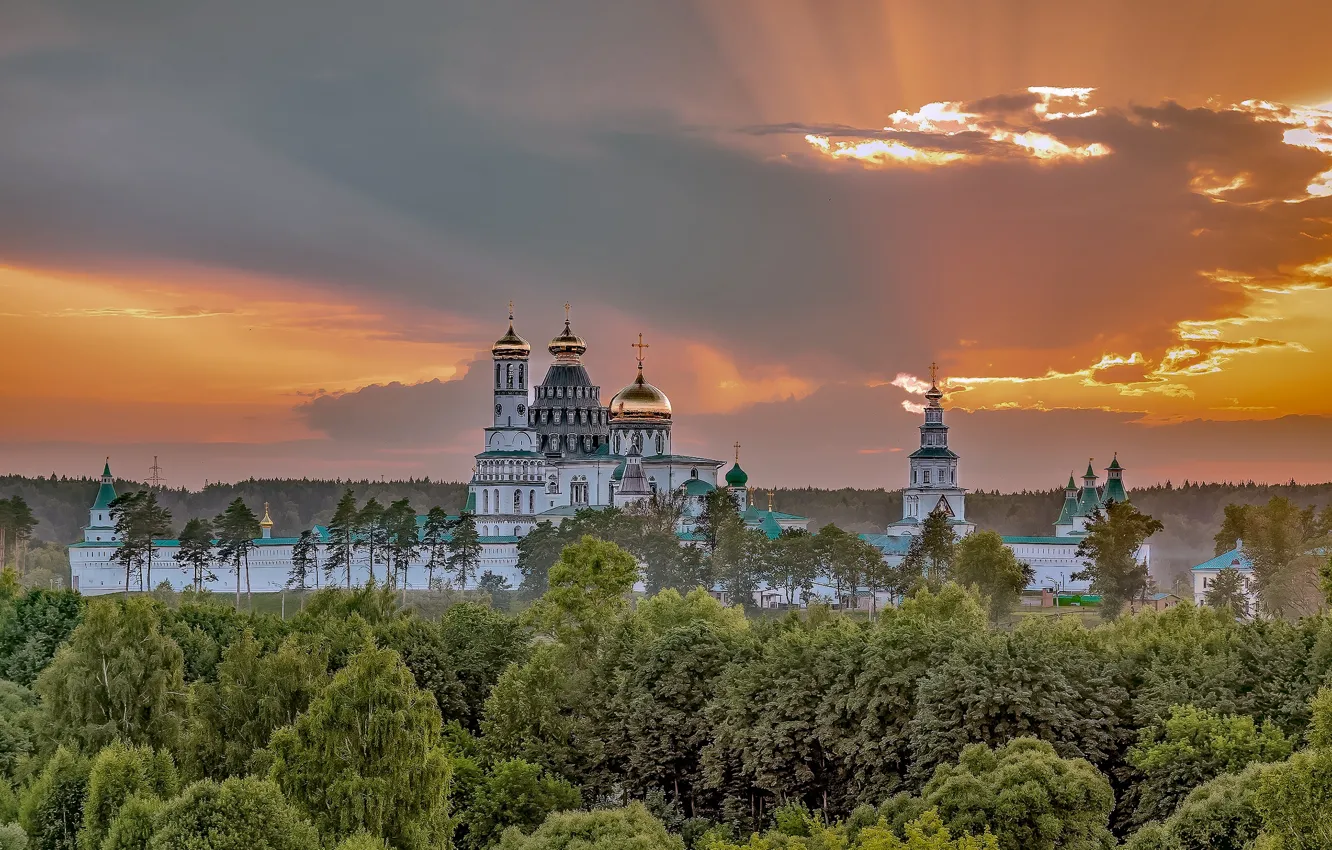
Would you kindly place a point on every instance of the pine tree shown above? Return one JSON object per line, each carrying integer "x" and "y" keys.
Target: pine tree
{"x": 125, "y": 511}
{"x": 304, "y": 561}
{"x": 139, "y": 522}
{"x": 464, "y": 548}
{"x": 435, "y": 536}
{"x": 404, "y": 541}
{"x": 370, "y": 525}
{"x": 196, "y": 551}
{"x": 16, "y": 523}
{"x": 342, "y": 539}
{"x": 237, "y": 528}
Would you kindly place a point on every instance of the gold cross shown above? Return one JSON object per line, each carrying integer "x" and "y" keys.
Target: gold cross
{"x": 737, "y": 451}
{"x": 511, "y": 309}
{"x": 934, "y": 373}
{"x": 640, "y": 345}
{"x": 770, "y": 495}
{"x": 566, "y": 312}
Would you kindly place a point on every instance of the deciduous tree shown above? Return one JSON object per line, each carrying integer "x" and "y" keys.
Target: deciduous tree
{"x": 1110, "y": 547}
{"x": 235, "y": 814}
{"x": 601, "y": 829}
{"x": 367, "y": 755}
{"x": 118, "y": 677}
{"x": 985, "y": 562}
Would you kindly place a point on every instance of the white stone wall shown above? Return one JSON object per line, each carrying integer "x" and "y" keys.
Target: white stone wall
{"x": 93, "y": 572}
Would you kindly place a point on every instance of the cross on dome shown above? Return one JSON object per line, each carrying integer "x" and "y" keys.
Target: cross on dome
{"x": 640, "y": 345}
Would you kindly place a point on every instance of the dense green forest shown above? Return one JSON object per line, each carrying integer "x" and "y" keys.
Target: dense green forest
{"x": 597, "y": 721}
{"x": 1191, "y": 513}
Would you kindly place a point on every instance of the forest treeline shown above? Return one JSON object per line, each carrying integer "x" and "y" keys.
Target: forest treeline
{"x": 597, "y": 721}
{"x": 1190, "y": 512}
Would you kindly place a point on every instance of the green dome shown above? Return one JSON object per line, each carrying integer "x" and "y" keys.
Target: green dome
{"x": 736, "y": 477}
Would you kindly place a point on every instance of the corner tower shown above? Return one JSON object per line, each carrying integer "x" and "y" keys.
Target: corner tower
{"x": 100, "y": 528}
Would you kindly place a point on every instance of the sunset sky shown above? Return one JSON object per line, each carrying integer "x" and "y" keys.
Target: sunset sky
{"x": 270, "y": 238}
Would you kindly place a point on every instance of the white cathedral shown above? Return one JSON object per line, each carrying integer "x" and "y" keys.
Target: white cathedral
{"x": 551, "y": 450}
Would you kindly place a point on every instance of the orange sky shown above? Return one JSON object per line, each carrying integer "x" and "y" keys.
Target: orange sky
{"x": 786, "y": 197}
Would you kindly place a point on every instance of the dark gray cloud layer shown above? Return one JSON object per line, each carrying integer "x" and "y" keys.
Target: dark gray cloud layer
{"x": 436, "y": 153}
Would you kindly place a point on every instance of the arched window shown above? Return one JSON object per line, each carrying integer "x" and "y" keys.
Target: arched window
{"x": 520, "y": 376}
{"x": 693, "y": 473}
{"x": 617, "y": 443}
{"x": 485, "y": 501}
{"x": 660, "y": 442}
{"x": 517, "y": 501}
{"x": 531, "y": 501}
{"x": 498, "y": 509}
{"x": 497, "y": 376}
{"x": 508, "y": 375}
{"x": 517, "y": 531}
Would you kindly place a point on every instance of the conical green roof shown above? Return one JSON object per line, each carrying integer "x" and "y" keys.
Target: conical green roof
{"x": 736, "y": 477}
{"x": 1114, "y": 464}
{"x": 1091, "y": 473}
{"x": 107, "y": 492}
{"x": 1070, "y": 510}
{"x": 1071, "y": 485}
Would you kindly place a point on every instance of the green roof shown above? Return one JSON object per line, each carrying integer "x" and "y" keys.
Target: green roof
{"x": 1090, "y": 502}
{"x": 737, "y": 477}
{"x": 1090, "y": 473}
{"x": 1114, "y": 490}
{"x": 933, "y": 451}
{"x": 1069, "y": 511}
{"x": 1071, "y": 484}
{"x": 105, "y": 494}
{"x": 618, "y": 474}
{"x": 1114, "y": 463}
{"x": 1235, "y": 559}
{"x": 106, "y": 468}
{"x": 470, "y": 507}
{"x": 697, "y": 487}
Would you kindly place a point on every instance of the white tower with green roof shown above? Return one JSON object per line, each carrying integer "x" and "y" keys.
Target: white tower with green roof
{"x": 101, "y": 528}
{"x": 933, "y": 482}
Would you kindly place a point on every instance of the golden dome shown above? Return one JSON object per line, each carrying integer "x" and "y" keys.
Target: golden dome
{"x": 568, "y": 346}
{"x": 510, "y": 346}
{"x": 640, "y": 401}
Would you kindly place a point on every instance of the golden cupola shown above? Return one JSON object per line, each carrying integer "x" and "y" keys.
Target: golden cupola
{"x": 511, "y": 346}
{"x": 568, "y": 347}
{"x": 640, "y": 401}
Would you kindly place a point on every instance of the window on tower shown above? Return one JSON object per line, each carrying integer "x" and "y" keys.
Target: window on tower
{"x": 925, "y": 476}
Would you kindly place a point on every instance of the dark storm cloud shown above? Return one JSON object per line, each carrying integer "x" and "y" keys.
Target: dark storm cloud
{"x": 432, "y": 413}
